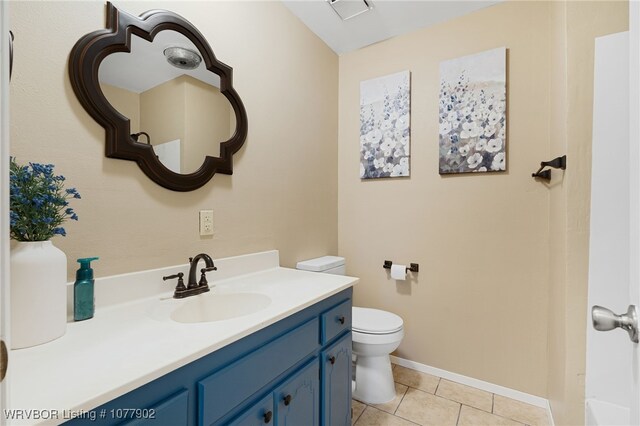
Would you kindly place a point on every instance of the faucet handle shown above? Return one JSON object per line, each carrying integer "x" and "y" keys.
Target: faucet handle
{"x": 203, "y": 276}
{"x": 180, "y": 277}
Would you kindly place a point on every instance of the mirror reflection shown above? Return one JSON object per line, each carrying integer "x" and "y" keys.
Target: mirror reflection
{"x": 172, "y": 101}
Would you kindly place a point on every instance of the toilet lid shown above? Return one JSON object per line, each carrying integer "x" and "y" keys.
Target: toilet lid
{"x": 374, "y": 321}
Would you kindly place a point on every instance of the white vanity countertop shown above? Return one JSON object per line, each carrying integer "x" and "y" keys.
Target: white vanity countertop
{"x": 127, "y": 345}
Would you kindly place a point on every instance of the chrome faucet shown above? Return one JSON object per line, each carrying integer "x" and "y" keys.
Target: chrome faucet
{"x": 193, "y": 288}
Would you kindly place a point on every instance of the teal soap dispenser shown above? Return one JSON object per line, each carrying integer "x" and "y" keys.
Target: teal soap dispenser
{"x": 83, "y": 298}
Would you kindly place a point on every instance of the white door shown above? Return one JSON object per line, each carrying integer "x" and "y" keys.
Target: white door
{"x": 4, "y": 197}
{"x": 169, "y": 154}
{"x": 611, "y": 384}
{"x": 634, "y": 138}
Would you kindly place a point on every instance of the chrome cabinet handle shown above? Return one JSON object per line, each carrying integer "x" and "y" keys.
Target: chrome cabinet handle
{"x": 604, "y": 320}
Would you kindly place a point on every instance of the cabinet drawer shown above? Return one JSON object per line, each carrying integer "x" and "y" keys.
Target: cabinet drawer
{"x": 171, "y": 411}
{"x": 335, "y": 321}
{"x": 244, "y": 377}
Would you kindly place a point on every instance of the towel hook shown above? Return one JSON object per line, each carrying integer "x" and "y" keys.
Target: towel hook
{"x": 556, "y": 163}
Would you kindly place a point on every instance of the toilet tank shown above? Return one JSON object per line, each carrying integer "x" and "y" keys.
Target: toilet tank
{"x": 327, "y": 264}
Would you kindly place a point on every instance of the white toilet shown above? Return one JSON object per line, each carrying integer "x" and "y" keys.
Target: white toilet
{"x": 375, "y": 335}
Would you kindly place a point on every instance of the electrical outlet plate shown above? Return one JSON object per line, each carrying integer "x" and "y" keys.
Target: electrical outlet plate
{"x": 206, "y": 222}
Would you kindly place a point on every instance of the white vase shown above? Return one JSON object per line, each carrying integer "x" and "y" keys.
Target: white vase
{"x": 38, "y": 293}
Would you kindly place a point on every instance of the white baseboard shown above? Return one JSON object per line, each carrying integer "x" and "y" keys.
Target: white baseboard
{"x": 479, "y": 384}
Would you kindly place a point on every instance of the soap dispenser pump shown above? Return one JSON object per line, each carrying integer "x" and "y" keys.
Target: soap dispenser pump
{"x": 83, "y": 297}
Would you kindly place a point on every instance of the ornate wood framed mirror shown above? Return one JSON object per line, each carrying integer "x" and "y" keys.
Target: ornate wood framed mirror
{"x": 164, "y": 100}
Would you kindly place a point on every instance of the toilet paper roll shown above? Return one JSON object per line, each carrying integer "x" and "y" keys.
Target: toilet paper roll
{"x": 398, "y": 272}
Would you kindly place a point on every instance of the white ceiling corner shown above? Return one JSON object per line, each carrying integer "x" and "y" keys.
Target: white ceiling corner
{"x": 388, "y": 18}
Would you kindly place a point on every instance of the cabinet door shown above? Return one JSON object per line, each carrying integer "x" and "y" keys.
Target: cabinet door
{"x": 298, "y": 399}
{"x": 259, "y": 414}
{"x": 336, "y": 383}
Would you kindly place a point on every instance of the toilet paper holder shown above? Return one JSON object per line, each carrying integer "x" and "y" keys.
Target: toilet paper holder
{"x": 413, "y": 267}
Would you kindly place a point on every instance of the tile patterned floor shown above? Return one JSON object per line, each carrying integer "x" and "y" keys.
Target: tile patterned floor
{"x": 423, "y": 399}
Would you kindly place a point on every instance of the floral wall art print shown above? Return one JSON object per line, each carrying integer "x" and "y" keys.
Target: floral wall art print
{"x": 384, "y": 126}
{"x": 473, "y": 113}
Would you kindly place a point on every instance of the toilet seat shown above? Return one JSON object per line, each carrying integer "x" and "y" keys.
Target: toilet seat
{"x": 378, "y": 339}
{"x": 375, "y": 322}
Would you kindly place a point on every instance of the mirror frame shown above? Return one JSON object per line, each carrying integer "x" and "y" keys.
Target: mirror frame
{"x": 93, "y": 48}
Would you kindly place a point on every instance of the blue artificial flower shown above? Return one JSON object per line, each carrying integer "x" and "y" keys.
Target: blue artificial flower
{"x": 74, "y": 192}
{"x": 38, "y": 202}
{"x": 13, "y": 218}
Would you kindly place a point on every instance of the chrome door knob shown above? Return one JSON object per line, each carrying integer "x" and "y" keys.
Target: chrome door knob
{"x": 604, "y": 320}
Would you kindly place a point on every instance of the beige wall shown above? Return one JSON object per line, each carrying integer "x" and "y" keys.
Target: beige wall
{"x": 208, "y": 121}
{"x": 570, "y": 203}
{"x": 125, "y": 102}
{"x": 163, "y": 115}
{"x": 558, "y": 215}
{"x": 501, "y": 295}
{"x": 288, "y": 81}
{"x": 187, "y": 109}
{"x": 478, "y": 306}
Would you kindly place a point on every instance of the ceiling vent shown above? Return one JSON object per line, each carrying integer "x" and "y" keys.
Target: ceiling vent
{"x": 347, "y": 9}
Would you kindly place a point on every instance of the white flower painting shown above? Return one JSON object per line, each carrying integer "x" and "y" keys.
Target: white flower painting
{"x": 384, "y": 126}
{"x": 472, "y": 121}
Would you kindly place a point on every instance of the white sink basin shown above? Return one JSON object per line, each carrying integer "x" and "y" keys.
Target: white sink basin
{"x": 211, "y": 307}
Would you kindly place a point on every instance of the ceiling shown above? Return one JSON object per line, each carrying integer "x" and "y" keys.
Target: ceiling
{"x": 386, "y": 19}
{"x": 146, "y": 66}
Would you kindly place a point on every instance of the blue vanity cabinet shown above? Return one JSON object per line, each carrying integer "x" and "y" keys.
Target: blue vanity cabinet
{"x": 280, "y": 375}
{"x": 336, "y": 383}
